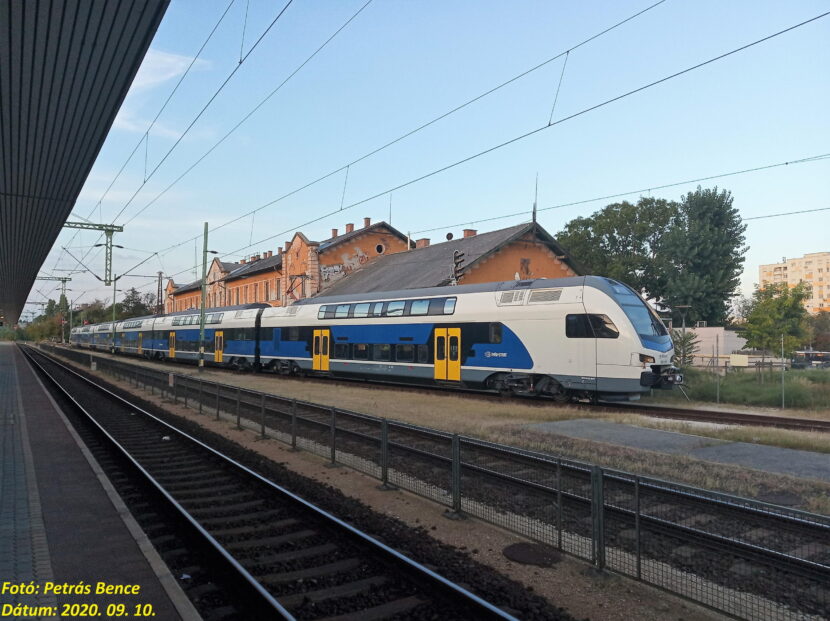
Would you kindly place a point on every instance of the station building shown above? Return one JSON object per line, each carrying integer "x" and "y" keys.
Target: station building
{"x": 376, "y": 257}
{"x": 300, "y": 269}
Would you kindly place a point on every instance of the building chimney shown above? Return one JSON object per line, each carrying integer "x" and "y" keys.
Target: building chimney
{"x": 422, "y": 243}
{"x": 287, "y": 245}
{"x": 366, "y": 222}
{"x": 470, "y": 232}
{"x": 268, "y": 254}
{"x": 349, "y": 227}
{"x": 334, "y": 233}
{"x": 279, "y": 251}
{"x": 243, "y": 261}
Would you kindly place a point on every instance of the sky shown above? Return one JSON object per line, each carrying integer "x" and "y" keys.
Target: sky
{"x": 396, "y": 65}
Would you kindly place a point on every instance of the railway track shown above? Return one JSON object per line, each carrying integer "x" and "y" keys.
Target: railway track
{"x": 657, "y": 411}
{"x": 749, "y": 554}
{"x": 278, "y": 556}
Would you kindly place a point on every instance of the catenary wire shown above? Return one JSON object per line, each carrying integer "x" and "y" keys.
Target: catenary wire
{"x": 395, "y": 140}
{"x": 813, "y": 158}
{"x": 153, "y": 122}
{"x": 540, "y": 129}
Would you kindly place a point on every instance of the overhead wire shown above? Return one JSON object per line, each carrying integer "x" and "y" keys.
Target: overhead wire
{"x": 394, "y": 141}
{"x": 813, "y": 158}
{"x": 565, "y": 119}
{"x": 153, "y": 122}
{"x": 540, "y": 129}
{"x": 204, "y": 109}
{"x": 247, "y": 116}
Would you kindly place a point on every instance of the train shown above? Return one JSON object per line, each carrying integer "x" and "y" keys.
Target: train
{"x": 575, "y": 338}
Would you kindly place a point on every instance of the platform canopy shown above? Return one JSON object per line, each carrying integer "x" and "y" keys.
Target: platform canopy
{"x": 65, "y": 68}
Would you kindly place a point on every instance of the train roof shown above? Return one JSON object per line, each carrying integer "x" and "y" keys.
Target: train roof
{"x": 598, "y": 282}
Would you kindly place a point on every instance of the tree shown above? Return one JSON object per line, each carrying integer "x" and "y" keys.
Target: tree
{"x": 687, "y": 253}
{"x": 622, "y": 241}
{"x": 685, "y": 347}
{"x": 777, "y": 310}
{"x": 134, "y": 305}
{"x": 820, "y": 331}
{"x": 702, "y": 255}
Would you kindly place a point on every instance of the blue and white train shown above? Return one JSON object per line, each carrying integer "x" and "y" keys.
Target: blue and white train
{"x": 569, "y": 338}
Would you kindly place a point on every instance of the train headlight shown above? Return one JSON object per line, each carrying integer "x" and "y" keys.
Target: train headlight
{"x": 646, "y": 359}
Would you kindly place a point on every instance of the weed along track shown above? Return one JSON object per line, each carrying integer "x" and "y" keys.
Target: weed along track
{"x": 244, "y": 547}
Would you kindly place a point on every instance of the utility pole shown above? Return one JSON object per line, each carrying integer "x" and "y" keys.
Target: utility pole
{"x": 202, "y": 306}
{"x": 108, "y": 230}
{"x": 159, "y": 304}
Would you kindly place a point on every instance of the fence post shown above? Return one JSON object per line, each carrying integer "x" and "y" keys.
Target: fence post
{"x": 637, "y": 525}
{"x": 218, "y": 391}
{"x": 455, "y": 512}
{"x": 200, "y": 395}
{"x": 559, "y": 502}
{"x": 384, "y": 456}
{"x": 238, "y": 420}
{"x": 184, "y": 387}
{"x": 262, "y": 416}
{"x": 597, "y": 515}
{"x": 293, "y": 424}
{"x": 333, "y": 438}
{"x": 175, "y": 389}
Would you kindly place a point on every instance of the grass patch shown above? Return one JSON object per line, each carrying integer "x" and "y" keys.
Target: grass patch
{"x": 806, "y": 389}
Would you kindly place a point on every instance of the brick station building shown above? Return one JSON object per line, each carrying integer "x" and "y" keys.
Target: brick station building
{"x": 375, "y": 258}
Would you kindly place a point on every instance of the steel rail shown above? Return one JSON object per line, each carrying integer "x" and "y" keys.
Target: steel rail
{"x": 484, "y": 607}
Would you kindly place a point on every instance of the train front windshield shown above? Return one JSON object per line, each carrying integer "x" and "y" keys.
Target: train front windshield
{"x": 648, "y": 325}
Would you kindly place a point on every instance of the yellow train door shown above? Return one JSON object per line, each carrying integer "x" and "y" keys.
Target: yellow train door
{"x": 172, "y": 345}
{"x": 218, "y": 345}
{"x": 320, "y": 352}
{"x": 140, "y": 348}
{"x": 447, "y": 348}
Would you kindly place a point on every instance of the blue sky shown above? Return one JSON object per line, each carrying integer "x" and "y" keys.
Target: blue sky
{"x": 400, "y": 64}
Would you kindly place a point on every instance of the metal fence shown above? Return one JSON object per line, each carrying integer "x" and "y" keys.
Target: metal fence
{"x": 747, "y": 558}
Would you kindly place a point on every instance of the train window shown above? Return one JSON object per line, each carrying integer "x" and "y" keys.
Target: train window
{"x": 495, "y": 333}
{"x": 266, "y": 334}
{"x": 405, "y": 353}
{"x": 419, "y": 307}
{"x": 341, "y": 351}
{"x": 325, "y": 346}
{"x": 423, "y": 354}
{"x": 377, "y": 309}
{"x": 342, "y": 311}
{"x": 453, "y": 348}
{"x": 321, "y": 312}
{"x": 361, "y": 310}
{"x": 578, "y": 327}
{"x": 449, "y": 306}
{"x": 293, "y": 334}
{"x": 316, "y": 345}
{"x": 440, "y": 348}
{"x": 603, "y": 327}
{"x": 360, "y": 351}
{"x": 436, "y": 306}
{"x": 394, "y": 309}
{"x": 382, "y": 352}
